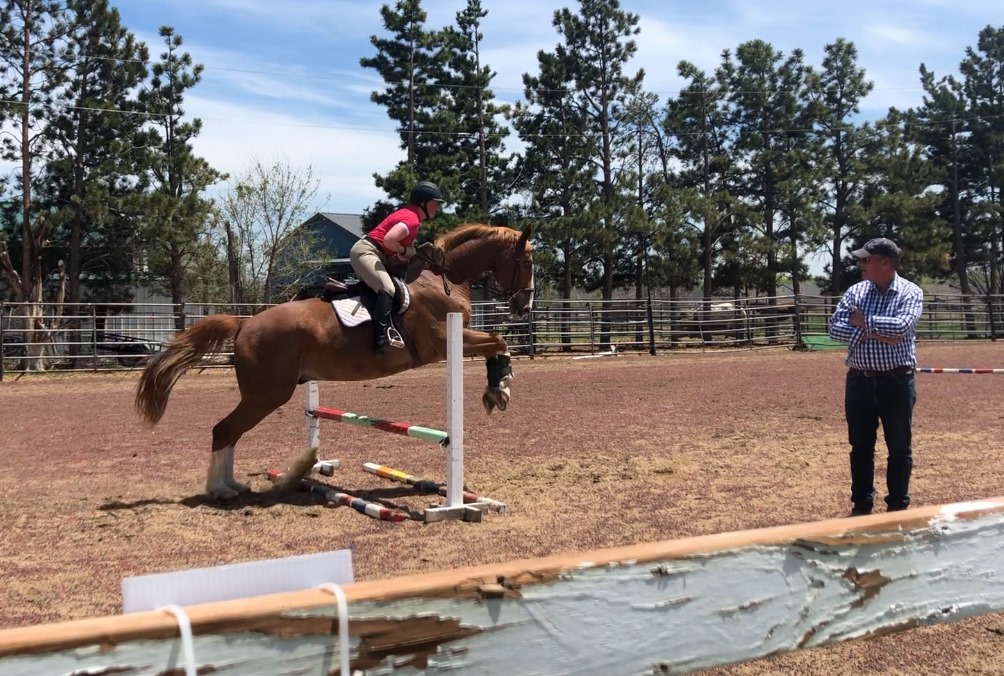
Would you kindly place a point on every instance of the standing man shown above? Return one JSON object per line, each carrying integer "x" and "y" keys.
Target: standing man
{"x": 877, "y": 318}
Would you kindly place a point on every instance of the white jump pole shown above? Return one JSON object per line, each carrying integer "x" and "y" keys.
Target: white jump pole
{"x": 313, "y": 422}
{"x": 313, "y": 400}
{"x": 455, "y": 410}
{"x": 455, "y": 507}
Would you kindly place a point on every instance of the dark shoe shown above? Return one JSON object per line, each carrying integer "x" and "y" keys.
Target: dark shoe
{"x": 861, "y": 511}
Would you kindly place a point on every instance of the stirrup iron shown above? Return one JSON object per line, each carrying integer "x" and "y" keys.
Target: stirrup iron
{"x": 394, "y": 338}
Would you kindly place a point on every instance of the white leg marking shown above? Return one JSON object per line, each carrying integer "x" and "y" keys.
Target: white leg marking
{"x": 229, "y": 478}
{"x": 221, "y": 467}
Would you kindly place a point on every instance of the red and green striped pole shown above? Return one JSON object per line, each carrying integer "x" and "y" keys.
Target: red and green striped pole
{"x": 403, "y": 428}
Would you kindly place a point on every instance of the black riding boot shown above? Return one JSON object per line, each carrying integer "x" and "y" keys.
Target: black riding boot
{"x": 383, "y": 331}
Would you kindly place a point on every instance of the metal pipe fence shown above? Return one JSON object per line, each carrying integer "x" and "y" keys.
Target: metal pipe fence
{"x": 116, "y": 336}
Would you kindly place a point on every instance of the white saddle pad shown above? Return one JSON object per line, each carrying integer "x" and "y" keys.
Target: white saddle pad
{"x": 352, "y": 312}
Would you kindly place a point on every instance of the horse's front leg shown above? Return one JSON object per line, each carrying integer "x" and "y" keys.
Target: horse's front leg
{"x": 496, "y": 353}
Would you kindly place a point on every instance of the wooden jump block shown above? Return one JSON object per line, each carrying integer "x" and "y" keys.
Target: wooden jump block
{"x": 438, "y": 512}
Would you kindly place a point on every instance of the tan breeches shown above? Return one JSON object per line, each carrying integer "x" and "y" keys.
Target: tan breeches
{"x": 371, "y": 266}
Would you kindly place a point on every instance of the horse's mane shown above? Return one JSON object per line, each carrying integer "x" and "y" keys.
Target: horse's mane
{"x": 466, "y": 232}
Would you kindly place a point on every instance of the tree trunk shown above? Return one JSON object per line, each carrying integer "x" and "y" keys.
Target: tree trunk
{"x": 961, "y": 264}
{"x": 608, "y": 294}
{"x": 233, "y": 266}
{"x": 566, "y": 293}
{"x": 177, "y": 288}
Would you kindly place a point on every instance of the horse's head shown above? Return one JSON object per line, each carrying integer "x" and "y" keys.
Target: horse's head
{"x": 472, "y": 249}
{"x": 514, "y": 273}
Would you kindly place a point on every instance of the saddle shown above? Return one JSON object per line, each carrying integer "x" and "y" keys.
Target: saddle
{"x": 352, "y": 302}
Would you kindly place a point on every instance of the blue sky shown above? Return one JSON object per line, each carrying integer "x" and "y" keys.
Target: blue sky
{"x": 282, "y": 77}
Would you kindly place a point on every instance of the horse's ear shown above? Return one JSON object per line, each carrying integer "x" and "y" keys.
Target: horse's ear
{"x": 524, "y": 238}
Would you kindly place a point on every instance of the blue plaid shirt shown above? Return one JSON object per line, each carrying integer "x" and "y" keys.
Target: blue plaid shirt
{"x": 893, "y": 313}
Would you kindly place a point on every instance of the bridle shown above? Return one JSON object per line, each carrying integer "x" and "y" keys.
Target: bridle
{"x": 492, "y": 287}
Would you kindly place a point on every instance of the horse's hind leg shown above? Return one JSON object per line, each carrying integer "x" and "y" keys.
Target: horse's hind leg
{"x": 220, "y": 482}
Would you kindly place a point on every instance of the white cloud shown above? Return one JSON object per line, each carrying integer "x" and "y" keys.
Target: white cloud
{"x": 344, "y": 159}
{"x": 900, "y": 35}
{"x": 317, "y": 17}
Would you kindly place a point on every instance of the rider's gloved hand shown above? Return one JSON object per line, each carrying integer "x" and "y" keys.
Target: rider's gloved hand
{"x": 408, "y": 252}
{"x": 431, "y": 253}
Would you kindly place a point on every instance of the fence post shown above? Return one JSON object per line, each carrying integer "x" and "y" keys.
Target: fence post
{"x": 592, "y": 336}
{"x": 748, "y": 322}
{"x": 651, "y": 323}
{"x": 94, "y": 337}
{"x": 530, "y": 337}
{"x": 1, "y": 342}
{"x": 990, "y": 317}
{"x": 796, "y": 320}
{"x": 181, "y": 315}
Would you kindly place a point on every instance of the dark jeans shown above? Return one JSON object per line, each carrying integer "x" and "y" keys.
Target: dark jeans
{"x": 889, "y": 398}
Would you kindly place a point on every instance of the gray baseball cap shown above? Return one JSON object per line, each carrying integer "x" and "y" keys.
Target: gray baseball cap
{"x": 880, "y": 246}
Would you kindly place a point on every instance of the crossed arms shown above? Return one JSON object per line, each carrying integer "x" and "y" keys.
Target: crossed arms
{"x": 850, "y": 324}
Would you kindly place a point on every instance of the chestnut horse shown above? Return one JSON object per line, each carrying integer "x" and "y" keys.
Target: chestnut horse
{"x": 299, "y": 341}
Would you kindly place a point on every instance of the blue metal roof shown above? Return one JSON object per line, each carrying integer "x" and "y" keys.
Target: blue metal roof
{"x": 352, "y": 223}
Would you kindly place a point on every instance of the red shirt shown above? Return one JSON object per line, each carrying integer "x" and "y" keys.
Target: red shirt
{"x": 407, "y": 215}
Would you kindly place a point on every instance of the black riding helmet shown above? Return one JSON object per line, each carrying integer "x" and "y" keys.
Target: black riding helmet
{"x": 425, "y": 191}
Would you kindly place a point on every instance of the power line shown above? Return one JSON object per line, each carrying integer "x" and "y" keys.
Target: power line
{"x": 454, "y": 85}
{"x": 430, "y": 132}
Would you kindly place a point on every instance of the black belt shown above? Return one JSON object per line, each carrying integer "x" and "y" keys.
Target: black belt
{"x": 898, "y": 371}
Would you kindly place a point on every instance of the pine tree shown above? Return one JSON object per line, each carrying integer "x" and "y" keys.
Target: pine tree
{"x": 91, "y": 172}
{"x": 707, "y": 172}
{"x": 982, "y": 73}
{"x": 766, "y": 104}
{"x": 482, "y": 172}
{"x": 597, "y": 46}
{"x": 554, "y": 169}
{"x": 939, "y": 127}
{"x": 175, "y": 212}
{"x": 412, "y": 66}
{"x": 837, "y": 92}
{"x": 32, "y": 64}
{"x": 896, "y": 202}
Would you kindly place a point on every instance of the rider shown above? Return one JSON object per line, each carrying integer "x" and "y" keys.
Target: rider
{"x": 393, "y": 237}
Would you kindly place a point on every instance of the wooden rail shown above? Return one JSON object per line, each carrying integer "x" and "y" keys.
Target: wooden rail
{"x": 667, "y": 607}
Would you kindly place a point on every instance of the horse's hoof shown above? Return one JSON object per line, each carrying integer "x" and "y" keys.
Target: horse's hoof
{"x": 488, "y": 401}
{"x": 502, "y": 400}
{"x": 495, "y": 397}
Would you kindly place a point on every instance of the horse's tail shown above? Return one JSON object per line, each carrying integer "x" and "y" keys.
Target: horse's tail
{"x": 206, "y": 336}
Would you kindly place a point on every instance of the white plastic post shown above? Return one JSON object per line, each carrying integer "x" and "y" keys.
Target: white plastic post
{"x": 313, "y": 422}
{"x": 455, "y": 410}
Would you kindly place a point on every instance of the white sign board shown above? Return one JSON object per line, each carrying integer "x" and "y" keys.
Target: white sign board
{"x": 235, "y": 581}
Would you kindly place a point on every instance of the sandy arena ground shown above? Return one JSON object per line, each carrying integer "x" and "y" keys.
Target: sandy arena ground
{"x": 592, "y": 453}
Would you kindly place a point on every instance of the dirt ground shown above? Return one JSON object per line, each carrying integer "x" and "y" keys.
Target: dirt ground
{"x": 592, "y": 453}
